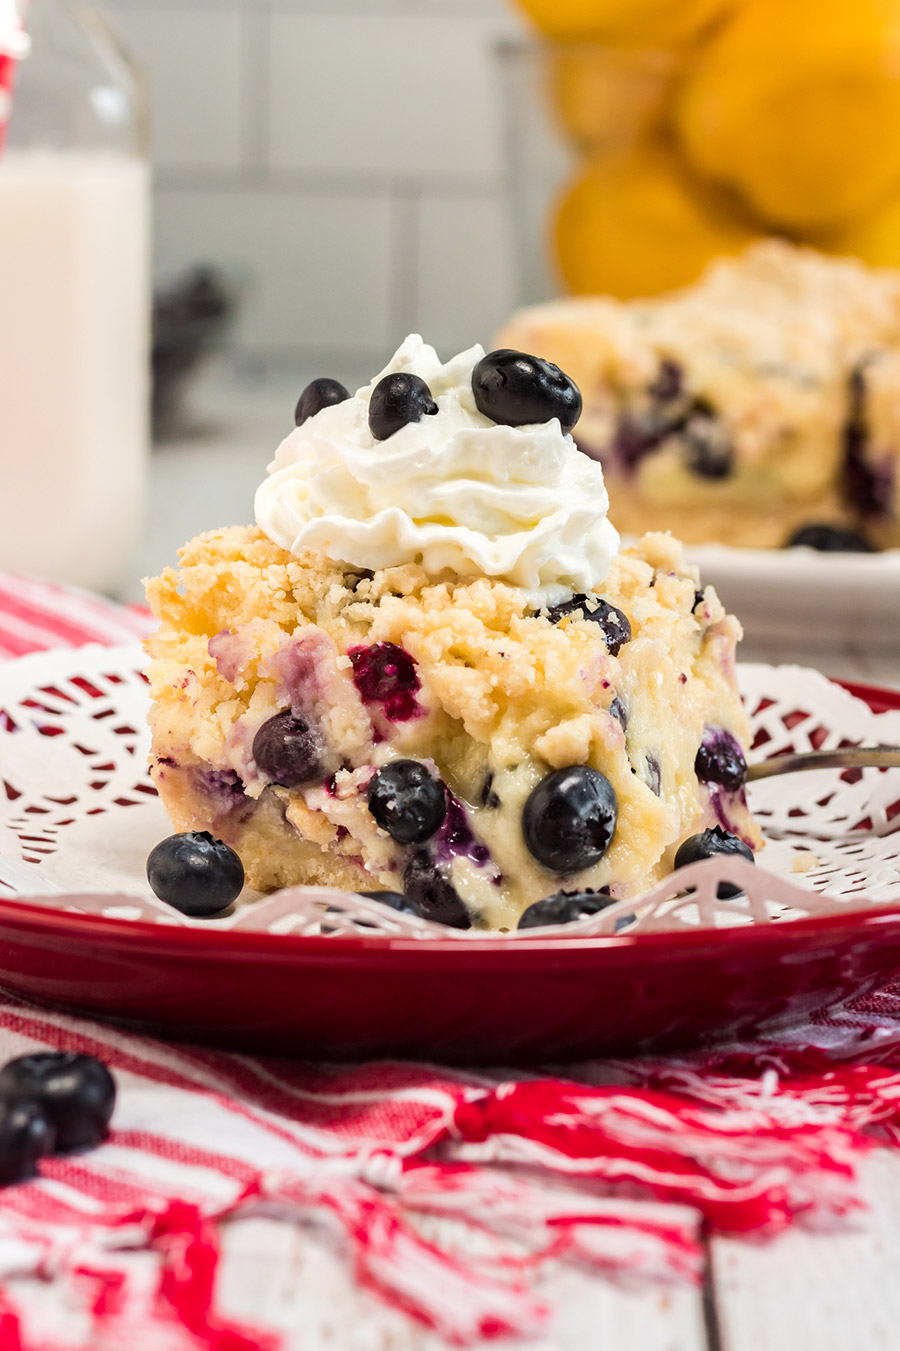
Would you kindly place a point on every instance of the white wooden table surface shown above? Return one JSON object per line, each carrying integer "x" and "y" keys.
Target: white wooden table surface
{"x": 827, "y": 1292}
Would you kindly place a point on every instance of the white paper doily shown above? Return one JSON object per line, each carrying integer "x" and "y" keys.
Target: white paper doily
{"x": 78, "y": 813}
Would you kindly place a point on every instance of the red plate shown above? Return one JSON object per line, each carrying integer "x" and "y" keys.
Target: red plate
{"x": 474, "y": 1002}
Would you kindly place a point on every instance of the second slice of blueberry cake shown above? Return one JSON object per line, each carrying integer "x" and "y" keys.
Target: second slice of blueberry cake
{"x": 757, "y": 404}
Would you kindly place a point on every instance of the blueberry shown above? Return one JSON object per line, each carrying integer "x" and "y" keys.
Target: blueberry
{"x": 707, "y": 845}
{"x": 196, "y": 873}
{"x": 397, "y": 399}
{"x": 429, "y": 888}
{"x": 26, "y": 1135}
{"x": 720, "y": 759}
{"x": 707, "y": 448}
{"x": 287, "y": 750}
{"x": 614, "y": 624}
{"x": 669, "y": 382}
{"x": 407, "y": 801}
{"x": 869, "y": 486}
{"x": 563, "y": 908}
{"x": 75, "y": 1092}
{"x": 618, "y": 711}
{"x": 638, "y": 435}
{"x": 516, "y": 389}
{"x": 395, "y": 899}
{"x": 319, "y": 394}
{"x": 385, "y": 674}
{"x": 570, "y": 818}
{"x": 829, "y": 539}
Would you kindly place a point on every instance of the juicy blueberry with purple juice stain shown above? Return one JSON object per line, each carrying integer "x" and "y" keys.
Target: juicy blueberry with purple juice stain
{"x": 638, "y": 435}
{"x": 720, "y": 759}
{"x": 705, "y": 444}
{"x": 669, "y": 382}
{"x": 618, "y": 711}
{"x": 223, "y": 786}
{"x": 564, "y": 907}
{"x": 398, "y": 399}
{"x": 707, "y": 845}
{"x": 288, "y": 749}
{"x": 228, "y": 651}
{"x": 386, "y": 674}
{"x": 319, "y": 394}
{"x": 829, "y": 539}
{"x": 868, "y": 489}
{"x": 613, "y": 623}
{"x": 570, "y": 818}
{"x": 407, "y": 801}
{"x": 455, "y": 838}
{"x": 427, "y": 885}
{"x": 708, "y": 451}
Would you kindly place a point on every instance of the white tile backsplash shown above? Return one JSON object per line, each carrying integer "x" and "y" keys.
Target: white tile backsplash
{"x": 311, "y": 270}
{"x": 465, "y": 273}
{"x": 411, "y": 96}
{"x": 341, "y": 158}
{"x": 193, "y": 64}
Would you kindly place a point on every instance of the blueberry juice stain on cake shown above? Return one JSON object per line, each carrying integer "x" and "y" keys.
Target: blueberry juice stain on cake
{"x": 430, "y": 671}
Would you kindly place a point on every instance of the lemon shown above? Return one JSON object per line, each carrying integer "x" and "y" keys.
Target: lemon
{"x": 636, "y": 224}
{"x": 796, "y": 103}
{"x": 607, "y": 97}
{"x": 875, "y": 238}
{"x": 637, "y": 23}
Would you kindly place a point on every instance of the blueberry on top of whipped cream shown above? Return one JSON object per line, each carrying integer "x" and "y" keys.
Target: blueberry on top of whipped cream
{"x": 414, "y": 469}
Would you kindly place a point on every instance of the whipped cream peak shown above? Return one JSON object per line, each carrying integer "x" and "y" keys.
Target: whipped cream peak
{"x": 453, "y": 492}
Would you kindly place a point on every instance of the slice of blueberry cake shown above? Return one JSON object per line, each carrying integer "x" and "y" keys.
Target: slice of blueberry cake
{"x": 430, "y": 671}
{"x": 757, "y": 404}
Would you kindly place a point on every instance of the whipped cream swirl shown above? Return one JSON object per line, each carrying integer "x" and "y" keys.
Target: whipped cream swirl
{"x": 454, "y": 492}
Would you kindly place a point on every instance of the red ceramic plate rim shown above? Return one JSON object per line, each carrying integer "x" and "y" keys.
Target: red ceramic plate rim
{"x": 229, "y": 944}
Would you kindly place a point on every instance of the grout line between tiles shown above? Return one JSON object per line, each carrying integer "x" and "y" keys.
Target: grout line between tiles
{"x": 349, "y": 183}
{"x": 255, "y": 76}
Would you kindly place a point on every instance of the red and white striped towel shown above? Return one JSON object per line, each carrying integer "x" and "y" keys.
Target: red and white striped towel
{"x": 35, "y": 615}
{"x": 616, "y": 1165}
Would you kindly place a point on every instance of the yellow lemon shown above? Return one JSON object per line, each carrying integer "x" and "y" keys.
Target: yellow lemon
{"x": 796, "y": 103}
{"x": 637, "y": 224}
{"x": 607, "y": 97}
{"x": 875, "y": 239}
{"x": 636, "y": 23}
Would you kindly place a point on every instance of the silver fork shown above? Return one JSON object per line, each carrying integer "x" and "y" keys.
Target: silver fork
{"x": 850, "y": 757}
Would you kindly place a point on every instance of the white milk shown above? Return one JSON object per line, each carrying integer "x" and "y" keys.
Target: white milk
{"x": 74, "y": 322}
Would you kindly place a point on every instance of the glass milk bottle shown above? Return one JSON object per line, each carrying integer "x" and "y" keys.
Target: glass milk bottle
{"x": 74, "y": 303}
